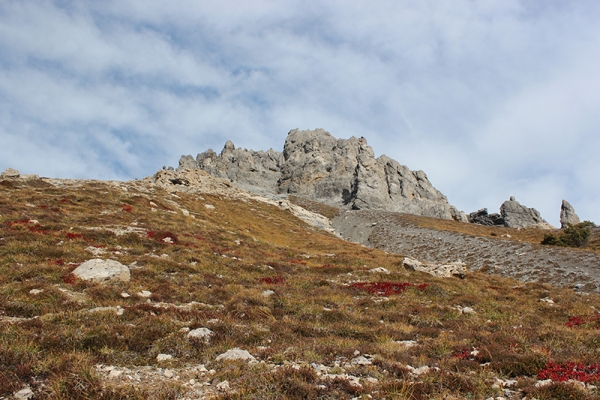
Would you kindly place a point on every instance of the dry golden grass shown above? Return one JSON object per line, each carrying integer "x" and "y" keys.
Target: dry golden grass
{"x": 224, "y": 259}
{"x": 530, "y": 235}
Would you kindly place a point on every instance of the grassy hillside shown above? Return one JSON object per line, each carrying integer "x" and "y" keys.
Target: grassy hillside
{"x": 304, "y": 303}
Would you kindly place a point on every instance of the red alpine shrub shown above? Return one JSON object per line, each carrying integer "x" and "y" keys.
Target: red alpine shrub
{"x": 583, "y": 320}
{"x": 386, "y": 288}
{"x": 70, "y": 279}
{"x": 272, "y": 280}
{"x": 570, "y": 370}
{"x": 163, "y": 236}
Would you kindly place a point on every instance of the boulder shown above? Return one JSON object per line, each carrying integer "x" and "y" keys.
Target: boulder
{"x": 457, "y": 269}
{"x": 102, "y": 270}
{"x": 567, "y": 215}
{"x": 200, "y": 333}
{"x": 518, "y": 216}
{"x": 10, "y": 173}
{"x": 339, "y": 172}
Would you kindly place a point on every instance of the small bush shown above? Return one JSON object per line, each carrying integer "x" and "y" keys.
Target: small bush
{"x": 572, "y": 236}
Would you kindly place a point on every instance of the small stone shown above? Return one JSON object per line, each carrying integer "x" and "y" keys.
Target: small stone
{"x": 35, "y": 291}
{"x": 236, "y": 354}
{"x": 125, "y": 295}
{"x": 96, "y": 251}
{"x": 407, "y": 343}
{"x": 23, "y": 394}
{"x": 223, "y": 386}
{"x": 209, "y": 206}
{"x": 144, "y": 293}
{"x": 268, "y": 293}
{"x": 547, "y": 300}
{"x": 379, "y": 270}
{"x": 168, "y": 373}
{"x": 200, "y": 333}
{"x": 361, "y": 360}
{"x": 164, "y": 357}
{"x": 115, "y": 374}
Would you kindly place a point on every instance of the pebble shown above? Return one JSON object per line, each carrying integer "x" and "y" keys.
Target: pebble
{"x": 164, "y": 357}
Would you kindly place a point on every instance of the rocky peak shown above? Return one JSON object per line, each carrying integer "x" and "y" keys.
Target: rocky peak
{"x": 340, "y": 172}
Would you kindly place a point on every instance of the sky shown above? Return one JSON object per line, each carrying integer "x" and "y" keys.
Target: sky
{"x": 491, "y": 98}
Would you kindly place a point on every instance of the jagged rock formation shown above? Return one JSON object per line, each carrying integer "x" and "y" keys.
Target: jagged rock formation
{"x": 257, "y": 171}
{"x": 516, "y": 215}
{"x": 482, "y": 217}
{"x": 13, "y": 174}
{"x": 567, "y": 215}
{"x": 339, "y": 172}
{"x": 512, "y": 215}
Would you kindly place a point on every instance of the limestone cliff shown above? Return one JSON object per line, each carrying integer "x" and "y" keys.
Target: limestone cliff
{"x": 340, "y": 172}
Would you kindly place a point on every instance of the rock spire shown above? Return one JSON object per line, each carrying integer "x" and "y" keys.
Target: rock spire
{"x": 567, "y": 215}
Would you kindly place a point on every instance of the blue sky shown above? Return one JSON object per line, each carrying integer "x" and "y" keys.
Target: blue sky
{"x": 490, "y": 98}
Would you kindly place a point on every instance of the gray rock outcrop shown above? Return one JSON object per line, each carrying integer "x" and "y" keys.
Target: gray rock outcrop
{"x": 482, "y": 217}
{"x": 340, "y": 172}
{"x": 10, "y": 173}
{"x": 512, "y": 215}
{"x": 257, "y": 171}
{"x": 457, "y": 269}
{"x": 516, "y": 215}
{"x": 567, "y": 215}
{"x": 13, "y": 174}
{"x": 102, "y": 270}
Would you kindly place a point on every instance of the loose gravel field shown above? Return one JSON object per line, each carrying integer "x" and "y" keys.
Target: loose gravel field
{"x": 525, "y": 261}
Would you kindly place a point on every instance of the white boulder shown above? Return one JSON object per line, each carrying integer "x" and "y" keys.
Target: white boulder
{"x": 236, "y": 354}
{"x": 102, "y": 270}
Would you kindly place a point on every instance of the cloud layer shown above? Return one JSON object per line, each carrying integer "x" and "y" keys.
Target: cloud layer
{"x": 490, "y": 98}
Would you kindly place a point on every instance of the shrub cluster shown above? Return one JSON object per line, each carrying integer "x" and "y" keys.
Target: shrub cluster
{"x": 572, "y": 236}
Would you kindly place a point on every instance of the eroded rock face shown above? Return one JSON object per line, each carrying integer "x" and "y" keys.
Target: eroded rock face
{"x": 257, "y": 171}
{"x": 340, "y": 172}
{"x": 518, "y": 216}
{"x": 567, "y": 215}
